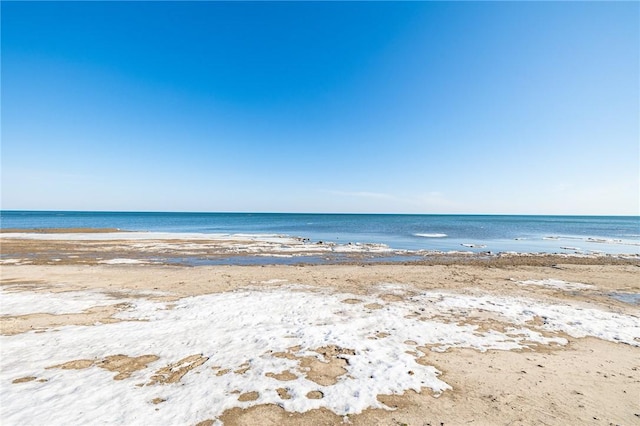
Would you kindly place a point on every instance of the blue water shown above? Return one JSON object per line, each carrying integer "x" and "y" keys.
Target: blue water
{"x": 556, "y": 234}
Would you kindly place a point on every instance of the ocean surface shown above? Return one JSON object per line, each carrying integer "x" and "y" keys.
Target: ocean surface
{"x": 477, "y": 233}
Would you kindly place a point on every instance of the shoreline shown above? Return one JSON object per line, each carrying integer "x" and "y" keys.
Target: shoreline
{"x": 77, "y": 246}
{"x": 345, "y": 240}
{"x": 59, "y": 230}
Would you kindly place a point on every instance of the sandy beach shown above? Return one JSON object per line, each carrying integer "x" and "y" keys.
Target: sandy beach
{"x": 282, "y": 213}
{"x": 503, "y": 340}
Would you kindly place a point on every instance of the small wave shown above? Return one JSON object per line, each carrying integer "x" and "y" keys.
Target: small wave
{"x": 431, "y": 235}
{"x": 562, "y": 237}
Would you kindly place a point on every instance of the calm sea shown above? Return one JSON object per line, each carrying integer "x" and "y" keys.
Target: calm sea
{"x": 556, "y": 234}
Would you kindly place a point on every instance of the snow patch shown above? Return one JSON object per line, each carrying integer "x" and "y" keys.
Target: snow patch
{"x": 559, "y": 284}
{"x": 229, "y": 344}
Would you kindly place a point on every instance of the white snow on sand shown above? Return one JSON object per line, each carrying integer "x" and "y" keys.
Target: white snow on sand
{"x": 160, "y": 242}
{"x": 15, "y": 303}
{"x": 248, "y": 328}
{"x": 576, "y": 321}
{"x": 68, "y": 302}
{"x": 559, "y": 284}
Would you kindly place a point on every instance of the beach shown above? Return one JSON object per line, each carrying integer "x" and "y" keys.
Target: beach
{"x": 416, "y": 213}
{"x": 117, "y": 331}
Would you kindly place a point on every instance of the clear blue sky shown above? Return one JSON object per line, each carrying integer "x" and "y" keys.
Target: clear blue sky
{"x": 496, "y": 107}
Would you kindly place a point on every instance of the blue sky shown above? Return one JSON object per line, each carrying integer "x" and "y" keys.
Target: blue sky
{"x": 429, "y": 107}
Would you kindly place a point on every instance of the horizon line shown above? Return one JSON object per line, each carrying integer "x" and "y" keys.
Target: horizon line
{"x": 311, "y": 213}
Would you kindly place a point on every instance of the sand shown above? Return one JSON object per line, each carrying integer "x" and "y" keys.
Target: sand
{"x": 588, "y": 380}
